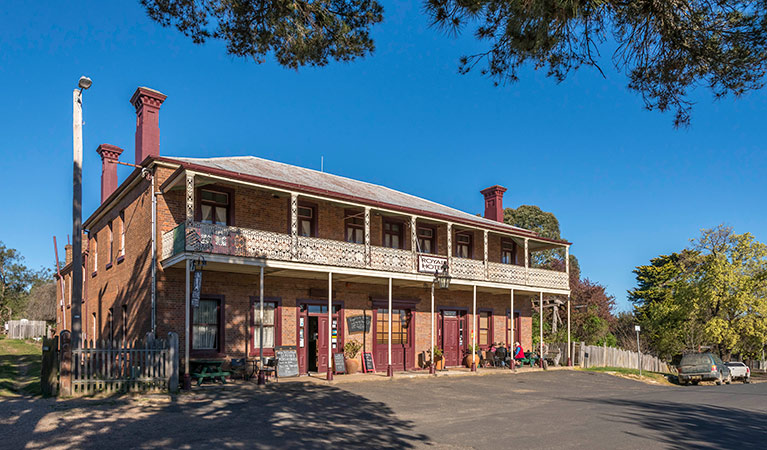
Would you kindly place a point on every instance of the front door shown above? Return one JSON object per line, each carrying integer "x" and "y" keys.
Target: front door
{"x": 451, "y": 338}
{"x": 322, "y": 345}
{"x": 313, "y": 336}
{"x": 402, "y": 353}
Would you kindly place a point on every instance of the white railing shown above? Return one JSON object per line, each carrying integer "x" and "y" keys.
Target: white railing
{"x": 235, "y": 241}
{"x": 330, "y": 252}
{"x": 391, "y": 259}
{"x": 506, "y": 273}
{"x": 547, "y": 278}
{"x": 471, "y": 269}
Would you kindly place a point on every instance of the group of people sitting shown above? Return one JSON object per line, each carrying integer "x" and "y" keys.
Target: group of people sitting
{"x": 498, "y": 355}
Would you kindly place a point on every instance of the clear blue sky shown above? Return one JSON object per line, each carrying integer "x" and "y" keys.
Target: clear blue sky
{"x": 625, "y": 185}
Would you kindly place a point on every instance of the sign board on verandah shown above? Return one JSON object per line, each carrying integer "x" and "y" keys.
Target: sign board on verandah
{"x": 358, "y": 324}
{"x": 368, "y": 365}
{"x": 338, "y": 363}
{"x": 287, "y": 363}
{"x": 430, "y": 264}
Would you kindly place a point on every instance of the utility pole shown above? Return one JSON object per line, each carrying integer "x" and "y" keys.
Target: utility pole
{"x": 77, "y": 208}
{"x": 639, "y": 352}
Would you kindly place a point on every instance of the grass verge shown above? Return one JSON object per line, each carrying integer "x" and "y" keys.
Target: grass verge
{"x": 20, "y": 363}
{"x": 647, "y": 377}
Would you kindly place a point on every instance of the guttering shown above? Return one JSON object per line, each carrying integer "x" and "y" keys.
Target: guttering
{"x": 351, "y": 198}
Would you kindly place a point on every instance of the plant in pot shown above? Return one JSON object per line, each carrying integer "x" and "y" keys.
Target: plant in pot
{"x": 467, "y": 359}
{"x": 438, "y": 360}
{"x": 351, "y": 350}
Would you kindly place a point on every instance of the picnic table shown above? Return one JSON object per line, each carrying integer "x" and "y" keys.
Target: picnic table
{"x": 208, "y": 369}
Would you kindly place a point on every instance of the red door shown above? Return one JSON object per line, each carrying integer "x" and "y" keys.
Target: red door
{"x": 322, "y": 345}
{"x": 450, "y": 340}
{"x": 402, "y": 350}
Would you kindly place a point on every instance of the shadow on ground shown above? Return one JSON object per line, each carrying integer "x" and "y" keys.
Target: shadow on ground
{"x": 684, "y": 426}
{"x": 280, "y": 416}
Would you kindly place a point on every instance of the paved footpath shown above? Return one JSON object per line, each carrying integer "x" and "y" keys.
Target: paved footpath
{"x": 555, "y": 409}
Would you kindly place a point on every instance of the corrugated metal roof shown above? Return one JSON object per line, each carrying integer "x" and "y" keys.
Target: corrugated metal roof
{"x": 286, "y": 173}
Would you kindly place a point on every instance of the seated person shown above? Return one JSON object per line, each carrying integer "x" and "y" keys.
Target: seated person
{"x": 518, "y": 352}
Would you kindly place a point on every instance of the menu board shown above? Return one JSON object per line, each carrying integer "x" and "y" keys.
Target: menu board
{"x": 287, "y": 363}
{"x": 338, "y": 363}
{"x": 358, "y": 324}
{"x": 368, "y": 365}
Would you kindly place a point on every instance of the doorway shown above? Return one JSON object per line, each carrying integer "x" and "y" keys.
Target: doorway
{"x": 313, "y": 339}
{"x": 452, "y": 329}
{"x": 313, "y": 335}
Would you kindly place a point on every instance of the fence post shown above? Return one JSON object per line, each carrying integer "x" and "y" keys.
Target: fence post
{"x": 582, "y": 354}
{"x": 173, "y": 361}
{"x": 65, "y": 358}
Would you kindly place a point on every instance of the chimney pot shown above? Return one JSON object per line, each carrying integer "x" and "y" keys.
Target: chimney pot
{"x": 109, "y": 156}
{"x": 494, "y": 202}
{"x": 147, "y": 103}
{"x": 67, "y": 254}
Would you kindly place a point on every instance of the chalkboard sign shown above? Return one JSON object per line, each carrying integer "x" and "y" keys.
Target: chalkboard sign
{"x": 367, "y": 362}
{"x": 358, "y": 324}
{"x": 287, "y": 363}
{"x": 338, "y": 362}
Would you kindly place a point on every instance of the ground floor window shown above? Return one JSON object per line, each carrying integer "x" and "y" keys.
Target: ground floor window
{"x": 399, "y": 324}
{"x": 517, "y": 334}
{"x": 485, "y": 328}
{"x": 206, "y": 320}
{"x": 270, "y": 330}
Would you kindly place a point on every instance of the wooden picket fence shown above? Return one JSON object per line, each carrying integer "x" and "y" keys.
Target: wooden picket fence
{"x": 139, "y": 366}
{"x": 603, "y": 356}
{"x": 27, "y": 329}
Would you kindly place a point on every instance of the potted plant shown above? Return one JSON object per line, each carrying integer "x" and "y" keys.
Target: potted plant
{"x": 467, "y": 359}
{"x": 351, "y": 350}
{"x": 438, "y": 360}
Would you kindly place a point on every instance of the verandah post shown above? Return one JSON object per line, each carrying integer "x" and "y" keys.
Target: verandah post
{"x": 512, "y": 341}
{"x": 540, "y": 327}
{"x": 474, "y": 330}
{"x": 389, "y": 368}
{"x": 330, "y": 326}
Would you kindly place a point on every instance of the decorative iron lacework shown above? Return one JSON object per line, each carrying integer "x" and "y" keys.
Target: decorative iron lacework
{"x": 506, "y": 273}
{"x": 391, "y": 259}
{"x": 167, "y": 243}
{"x": 467, "y": 268}
{"x": 329, "y": 252}
{"x": 189, "y": 198}
{"x": 547, "y": 278}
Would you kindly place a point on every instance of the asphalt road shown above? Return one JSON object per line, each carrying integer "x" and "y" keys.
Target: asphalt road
{"x": 554, "y": 409}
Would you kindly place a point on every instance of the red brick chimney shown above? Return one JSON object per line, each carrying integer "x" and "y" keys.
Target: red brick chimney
{"x": 109, "y": 155}
{"x": 494, "y": 202}
{"x": 147, "y": 103}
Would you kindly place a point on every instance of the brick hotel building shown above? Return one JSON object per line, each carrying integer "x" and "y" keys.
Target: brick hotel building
{"x": 315, "y": 239}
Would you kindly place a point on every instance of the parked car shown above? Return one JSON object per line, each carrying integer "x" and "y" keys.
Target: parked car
{"x": 697, "y": 367}
{"x": 739, "y": 371}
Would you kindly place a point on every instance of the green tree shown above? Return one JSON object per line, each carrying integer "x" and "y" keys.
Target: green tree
{"x": 16, "y": 280}
{"x": 533, "y": 218}
{"x": 296, "y": 32}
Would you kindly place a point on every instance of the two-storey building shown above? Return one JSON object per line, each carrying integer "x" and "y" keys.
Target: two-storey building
{"x": 320, "y": 250}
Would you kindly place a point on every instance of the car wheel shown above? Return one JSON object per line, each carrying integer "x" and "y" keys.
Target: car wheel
{"x": 746, "y": 380}
{"x": 719, "y": 380}
{"x": 729, "y": 379}
{"x": 695, "y": 382}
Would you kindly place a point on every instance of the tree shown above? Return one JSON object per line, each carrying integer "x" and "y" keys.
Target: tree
{"x": 15, "y": 282}
{"x": 296, "y": 32}
{"x": 41, "y": 302}
{"x": 666, "y": 48}
{"x": 531, "y": 217}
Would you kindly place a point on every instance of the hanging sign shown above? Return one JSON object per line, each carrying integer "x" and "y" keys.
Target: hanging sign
{"x": 358, "y": 324}
{"x": 196, "y": 288}
{"x": 430, "y": 264}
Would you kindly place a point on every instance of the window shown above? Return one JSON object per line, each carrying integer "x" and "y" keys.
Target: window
{"x": 122, "y": 233}
{"x": 205, "y": 325}
{"x": 426, "y": 240}
{"x": 355, "y": 229}
{"x": 392, "y": 233}
{"x": 124, "y": 318}
{"x": 507, "y": 252}
{"x": 214, "y": 207}
{"x": 463, "y": 245}
{"x": 111, "y": 244}
{"x": 306, "y": 221}
{"x": 319, "y": 309}
{"x": 95, "y": 252}
{"x": 111, "y": 326}
{"x": 485, "y": 336}
{"x": 93, "y": 328}
{"x": 270, "y": 309}
{"x": 398, "y": 331}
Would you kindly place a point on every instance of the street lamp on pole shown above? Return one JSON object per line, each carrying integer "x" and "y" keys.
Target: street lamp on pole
{"x": 442, "y": 279}
{"x": 77, "y": 207}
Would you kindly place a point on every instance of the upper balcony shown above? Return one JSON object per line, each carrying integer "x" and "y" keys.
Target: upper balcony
{"x": 252, "y": 243}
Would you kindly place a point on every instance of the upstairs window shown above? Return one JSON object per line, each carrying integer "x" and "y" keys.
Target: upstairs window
{"x": 463, "y": 245}
{"x": 214, "y": 207}
{"x": 122, "y": 233}
{"x": 111, "y": 243}
{"x": 306, "y": 221}
{"x": 426, "y": 240}
{"x": 508, "y": 252}
{"x": 95, "y": 252}
{"x": 392, "y": 234}
{"x": 355, "y": 230}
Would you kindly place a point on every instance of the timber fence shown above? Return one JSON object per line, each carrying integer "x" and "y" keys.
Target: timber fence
{"x": 139, "y": 366}
{"x": 603, "y": 356}
{"x": 759, "y": 365}
{"x": 27, "y": 329}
